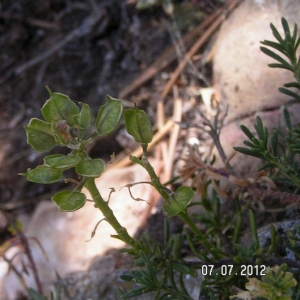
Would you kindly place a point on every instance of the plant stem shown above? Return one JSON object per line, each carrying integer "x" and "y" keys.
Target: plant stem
{"x": 210, "y": 247}
{"x": 122, "y": 233}
{"x": 144, "y": 162}
{"x": 294, "y": 179}
{"x": 165, "y": 194}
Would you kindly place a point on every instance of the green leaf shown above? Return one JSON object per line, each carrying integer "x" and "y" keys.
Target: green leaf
{"x": 297, "y": 43}
{"x": 249, "y": 144}
{"x": 44, "y": 174}
{"x": 291, "y": 52}
{"x": 84, "y": 118}
{"x": 289, "y": 93}
{"x": 276, "y": 57}
{"x": 292, "y": 84}
{"x": 193, "y": 272}
{"x": 285, "y": 26}
{"x": 259, "y": 127}
{"x": 294, "y": 36}
{"x": 134, "y": 293}
{"x": 177, "y": 246}
{"x": 276, "y": 34}
{"x": 247, "y": 132}
{"x": 180, "y": 268}
{"x": 274, "y": 45}
{"x": 279, "y": 66}
{"x": 109, "y": 116}
{"x": 249, "y": 152}
{"x": 91, "y": 168}
{"x": 242, "y": 251}
{"x": 59, "y": 107}
{"x": 39, "y": 135}
{"x": 179, "y": 201}
{"x": 138, "y": 125}
{"x": 265, "y": 138}
{"x": 287, "y": 118}
{"x": 274, "y": 142}
{"x": 69, "y": 200}
{"x": 61, "y": 161}
{"x": 169, "y": 246}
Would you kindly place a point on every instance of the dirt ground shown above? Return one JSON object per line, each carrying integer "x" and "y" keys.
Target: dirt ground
{"x": 85, "y": 49}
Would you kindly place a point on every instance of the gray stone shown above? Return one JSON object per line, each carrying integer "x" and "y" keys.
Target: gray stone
{"x": 264, "y": 237}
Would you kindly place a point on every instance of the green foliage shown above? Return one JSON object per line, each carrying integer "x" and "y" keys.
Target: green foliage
{"x": 44, "y": 174}
{"x": 138, "y": 125}
{"x": 61, "y": 161}
{"x": 287, "y": 46}
{"x": 280, "y": 153}
{"x": 179, "y": 201}
{"x": 108, "y": 116}
{"x": 90, "y": 168}
{"x": 66, "y": 126}
{"x": 39, "y": 135}
{"x": 277, "y": 284}
{"x": 161, "y": 270}
{"x": 59, "y": 107}
{"x": 69, "y": 200}
{"x": 267, "y": 149}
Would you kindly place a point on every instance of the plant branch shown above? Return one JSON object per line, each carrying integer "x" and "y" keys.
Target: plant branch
{"x": 109, "y": 215}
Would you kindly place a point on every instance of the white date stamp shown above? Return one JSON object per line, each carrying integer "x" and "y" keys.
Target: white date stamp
{"x": 228, "y": 270}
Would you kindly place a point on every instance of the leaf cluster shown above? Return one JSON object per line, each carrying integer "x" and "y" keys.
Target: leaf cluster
{"x": 66, "y": 125}
{"x": 277, "y": 284}
{"x": 163, "y": 269}
{"x": 281, "y": 156}
{"x": 287, "y": 46}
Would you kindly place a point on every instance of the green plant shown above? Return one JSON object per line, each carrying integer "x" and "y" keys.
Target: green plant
{"x": 163, "y": 268}
{"x": 280, "y": 153}
{"x": 280, "y": 156}
{"x": 66, "y": 125}
{"x": 276, "y": 285}
{"x": 288, "y": 46}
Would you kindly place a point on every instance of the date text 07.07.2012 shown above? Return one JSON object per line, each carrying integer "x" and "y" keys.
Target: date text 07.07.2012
{"x": 242, "y": 270}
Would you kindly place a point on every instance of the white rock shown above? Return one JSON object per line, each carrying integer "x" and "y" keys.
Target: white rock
{"x": 241, "y": 74}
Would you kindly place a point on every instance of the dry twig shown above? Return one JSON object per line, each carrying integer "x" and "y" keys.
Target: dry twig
{"x": 210, "y": 30}
{"x": 169, "y": 55}
{"x": 177, "y": 115}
